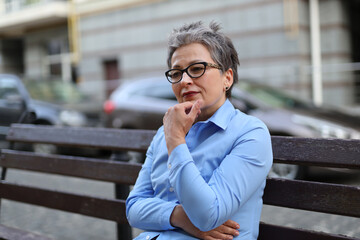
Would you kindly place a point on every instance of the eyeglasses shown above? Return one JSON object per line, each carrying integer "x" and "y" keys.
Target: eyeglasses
{"x": 194, "y": 70}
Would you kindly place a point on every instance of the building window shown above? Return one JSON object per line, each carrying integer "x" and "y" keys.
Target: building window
{"x": 58, "y": 60}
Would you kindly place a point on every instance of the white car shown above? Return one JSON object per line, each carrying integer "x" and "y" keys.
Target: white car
{"x": 142, "y": 104}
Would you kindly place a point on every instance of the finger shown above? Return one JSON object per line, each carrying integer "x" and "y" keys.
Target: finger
{"x": 186, "y": 105}
{"x": 165, "y": 117}
{"x": 232, "y": 224}
{"x": 220, "y": 235}
{"x": 211, "y": 238}
{"x": 195, "y": 110}
{"x": 228, "y": 230}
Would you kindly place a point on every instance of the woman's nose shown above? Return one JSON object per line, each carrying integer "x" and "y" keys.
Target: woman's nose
{"x": 186, "y": 79}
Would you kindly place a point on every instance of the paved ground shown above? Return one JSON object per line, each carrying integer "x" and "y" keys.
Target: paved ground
{"x": 61, "y": 225}
{"x": 66, "y": 226}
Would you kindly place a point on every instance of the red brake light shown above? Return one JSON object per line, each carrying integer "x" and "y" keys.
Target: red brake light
{"x": 109, "y": 106}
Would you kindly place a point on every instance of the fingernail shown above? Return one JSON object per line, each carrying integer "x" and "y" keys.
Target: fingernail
{"x": 237, "y": 233}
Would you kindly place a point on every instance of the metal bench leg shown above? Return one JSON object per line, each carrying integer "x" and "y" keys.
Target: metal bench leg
{"x": 121, "y": 192}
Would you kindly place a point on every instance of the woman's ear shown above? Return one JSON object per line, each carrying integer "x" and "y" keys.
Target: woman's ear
{"x": 229, "y": 78}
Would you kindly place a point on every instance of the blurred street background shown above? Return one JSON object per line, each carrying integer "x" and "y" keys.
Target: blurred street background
{"x": 101, "y": 63}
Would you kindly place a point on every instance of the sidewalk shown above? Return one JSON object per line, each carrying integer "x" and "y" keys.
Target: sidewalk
{"x": 58, "y": 224}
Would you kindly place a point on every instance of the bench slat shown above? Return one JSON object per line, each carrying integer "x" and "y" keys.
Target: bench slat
{"x": 104, "y": 138}
{"x": 341, "y": 153}
{"x": 104, "y": 170}
{"x": 109, "y": 209}
{"x": 12, "y": 233}
{"x": 313, "y": 196}
{"x": 271, "y": 232}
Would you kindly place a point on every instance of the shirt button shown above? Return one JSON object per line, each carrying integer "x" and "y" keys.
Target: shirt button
{"x": 171, "y": 189}
{"x": 169, "y": 166}
{"x": 147, "y": 237}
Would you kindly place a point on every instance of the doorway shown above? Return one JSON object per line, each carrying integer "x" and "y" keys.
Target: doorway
{"x": 112, "y": 75}
{"x": 354, "y": 24}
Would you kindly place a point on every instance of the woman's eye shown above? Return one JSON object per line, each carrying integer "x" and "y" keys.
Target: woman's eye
{"x": 175, "y": 74}
{"x": 197, "y": 69}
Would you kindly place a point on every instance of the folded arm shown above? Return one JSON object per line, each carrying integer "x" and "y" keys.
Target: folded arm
{"x": 225, "y": 231}
{"x": 240, "y": 174}
{"x": 143, "y": 209}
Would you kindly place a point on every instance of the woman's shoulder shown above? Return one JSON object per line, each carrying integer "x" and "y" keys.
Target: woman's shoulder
{"x": 159, "y": 134}
{"x": 246, "y": 121}
{"x": 156, "y": 141}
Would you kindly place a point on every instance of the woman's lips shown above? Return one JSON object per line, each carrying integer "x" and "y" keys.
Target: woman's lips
{"x": 189, "y": 94}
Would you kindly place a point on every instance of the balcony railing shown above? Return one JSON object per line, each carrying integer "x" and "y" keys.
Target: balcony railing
{"x": 17, "y": 5}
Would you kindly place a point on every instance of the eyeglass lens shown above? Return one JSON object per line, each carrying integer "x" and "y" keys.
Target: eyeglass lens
{"x": 194, "y": 71}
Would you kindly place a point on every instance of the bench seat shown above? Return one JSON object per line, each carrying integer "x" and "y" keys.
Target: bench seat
{"x": 294, "y": 194}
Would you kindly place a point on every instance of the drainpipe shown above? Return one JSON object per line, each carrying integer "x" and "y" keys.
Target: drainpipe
{"x": 317, "y": 94}
{"x": 74, "y": 36}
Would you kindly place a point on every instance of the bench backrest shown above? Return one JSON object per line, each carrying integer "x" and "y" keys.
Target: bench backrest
{"x": 312, "y": 196}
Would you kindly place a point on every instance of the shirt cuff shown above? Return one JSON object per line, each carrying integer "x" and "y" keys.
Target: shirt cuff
{"x": 179, "y": 156}
{"x": 165, "y": 217}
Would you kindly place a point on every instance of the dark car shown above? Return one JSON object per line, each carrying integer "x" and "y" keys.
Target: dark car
{"x": 142, "y": 104}
{"x": 17, "y": 106}
{"x": 67, "y": 95}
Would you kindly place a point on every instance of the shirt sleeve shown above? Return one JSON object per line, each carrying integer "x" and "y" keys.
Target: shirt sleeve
{"x": 143, "y": 209}
{"x": 240, "y": 174}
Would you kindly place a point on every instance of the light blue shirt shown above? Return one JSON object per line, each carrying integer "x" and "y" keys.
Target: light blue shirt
{"x": 219, "y": 174}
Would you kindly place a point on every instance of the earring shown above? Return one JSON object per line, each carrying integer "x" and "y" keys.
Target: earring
{"x": 226, "y": 88}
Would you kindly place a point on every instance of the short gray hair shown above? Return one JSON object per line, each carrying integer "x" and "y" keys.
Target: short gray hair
{"x": 220, "y": 46}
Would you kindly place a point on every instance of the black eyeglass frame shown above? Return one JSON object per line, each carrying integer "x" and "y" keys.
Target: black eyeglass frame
{"x": 206, "y": 64}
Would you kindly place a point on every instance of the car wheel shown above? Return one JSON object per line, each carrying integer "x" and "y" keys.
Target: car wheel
{"x": 44, "y": 148}
{"x": 137, "y": 157}
{"x": 129, "y": 156}
{"x": 288, "y": 171}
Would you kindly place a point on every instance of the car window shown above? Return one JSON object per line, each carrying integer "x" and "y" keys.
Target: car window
{"x": 273, "y": 97}
{"x": 8, "y": 87}
{"x": 242, "y": 103}
{"x": 54, "y": 91}
{"x": 157, "y": 91}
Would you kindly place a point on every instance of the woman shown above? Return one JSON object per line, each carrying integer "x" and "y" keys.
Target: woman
{"x": 206, "y": 167}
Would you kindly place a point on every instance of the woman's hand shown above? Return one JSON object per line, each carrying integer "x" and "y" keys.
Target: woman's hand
{"x": 178, "y": 121}
{"x": 226, "y": 231}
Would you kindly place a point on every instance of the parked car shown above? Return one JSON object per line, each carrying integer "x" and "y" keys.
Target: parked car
{"x": 16, "y": 105}
{"x": 142, "y": 104}
{"x": 67, "y": 95}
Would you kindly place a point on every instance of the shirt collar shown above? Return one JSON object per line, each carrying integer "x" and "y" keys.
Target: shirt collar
{"x": 223, "y": 115}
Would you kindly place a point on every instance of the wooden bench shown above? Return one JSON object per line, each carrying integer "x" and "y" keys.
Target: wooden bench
{"x": 294, "y": 194}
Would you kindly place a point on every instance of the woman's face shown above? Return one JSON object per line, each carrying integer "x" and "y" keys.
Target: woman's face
{"x": 210, "y": 88}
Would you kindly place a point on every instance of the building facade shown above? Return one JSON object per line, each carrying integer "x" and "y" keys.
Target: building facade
{"x": 127, "y": 39}
{"x": 33, "y": 37}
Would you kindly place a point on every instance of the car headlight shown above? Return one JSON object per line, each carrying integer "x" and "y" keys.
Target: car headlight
{"x": 72, "y": 118}
{"x": 326, "y": 129}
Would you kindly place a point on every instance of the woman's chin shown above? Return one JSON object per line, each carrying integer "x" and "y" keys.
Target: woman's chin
{"x": 190, "y": 99}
